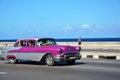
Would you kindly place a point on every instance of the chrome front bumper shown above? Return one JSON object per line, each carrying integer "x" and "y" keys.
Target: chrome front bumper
{"x": 67, "y": 57}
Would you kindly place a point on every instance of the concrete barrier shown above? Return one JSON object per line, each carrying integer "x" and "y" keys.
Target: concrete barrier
{"x": 92, "y": 49}
{"x": 98, "y": 55}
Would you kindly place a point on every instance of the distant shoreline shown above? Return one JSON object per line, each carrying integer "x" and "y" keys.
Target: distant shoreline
{"x": 75, "y": 40}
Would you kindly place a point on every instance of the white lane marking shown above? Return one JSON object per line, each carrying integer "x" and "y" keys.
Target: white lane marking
{"x": 3, "y": 72}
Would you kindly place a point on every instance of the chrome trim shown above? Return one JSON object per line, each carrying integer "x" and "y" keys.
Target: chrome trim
{"x": 66, "y": 57}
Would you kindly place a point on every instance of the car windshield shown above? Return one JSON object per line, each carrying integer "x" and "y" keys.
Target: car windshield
{"x": 44, "y": 42}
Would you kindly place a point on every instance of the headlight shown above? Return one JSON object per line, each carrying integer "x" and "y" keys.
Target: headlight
{"x": 60, "y": 51}
{"x": 79, "y": 49}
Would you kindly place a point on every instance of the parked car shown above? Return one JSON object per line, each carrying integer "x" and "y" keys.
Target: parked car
{"x": 41, "y": 49}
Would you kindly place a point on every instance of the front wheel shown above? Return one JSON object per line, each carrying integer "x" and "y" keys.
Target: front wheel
{"x": 49, "y": 60}
{"x": 70, "y": 62}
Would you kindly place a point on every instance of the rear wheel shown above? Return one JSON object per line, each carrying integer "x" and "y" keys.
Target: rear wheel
{"x": 70, "y": 62}
{"x": 49, "y": 60}
{"x": 12, "y": 61}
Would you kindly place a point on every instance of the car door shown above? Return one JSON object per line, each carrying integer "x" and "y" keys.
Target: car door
{"x": 27, "y": 52}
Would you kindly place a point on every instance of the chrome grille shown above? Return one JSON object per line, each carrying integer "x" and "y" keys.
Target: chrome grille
{"x": 70, "y": 55}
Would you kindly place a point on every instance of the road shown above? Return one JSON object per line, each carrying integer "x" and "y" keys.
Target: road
{"x": 85, "y": 69}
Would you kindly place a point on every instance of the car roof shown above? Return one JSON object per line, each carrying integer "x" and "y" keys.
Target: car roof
{"x": 33, "y": 38}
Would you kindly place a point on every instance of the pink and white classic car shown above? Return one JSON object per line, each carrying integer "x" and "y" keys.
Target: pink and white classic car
{"x": 41, "y": 49}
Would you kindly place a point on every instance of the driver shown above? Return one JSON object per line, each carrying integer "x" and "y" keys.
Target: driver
{"x": 44, "y": 43}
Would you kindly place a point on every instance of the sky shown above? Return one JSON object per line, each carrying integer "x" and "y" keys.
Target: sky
{"x": 59, "y": 18}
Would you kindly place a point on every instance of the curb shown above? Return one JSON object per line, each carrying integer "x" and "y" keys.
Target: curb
{"x": 101, "y": 57}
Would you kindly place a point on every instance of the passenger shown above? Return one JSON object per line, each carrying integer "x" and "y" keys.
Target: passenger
{"x": 44, "y": 43}
{"x": 31, "y": 43}
{"x": 19, "y": 43}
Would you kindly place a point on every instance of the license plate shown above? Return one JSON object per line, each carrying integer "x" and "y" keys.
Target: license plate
{"x": 72, "y": 57}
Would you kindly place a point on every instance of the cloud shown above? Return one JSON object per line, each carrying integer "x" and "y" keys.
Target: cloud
{"x": 86, "y": 26}
{"x": 83, "y": 27}
{"x": 93, "y": 30}
{"x": 67, "y": 28}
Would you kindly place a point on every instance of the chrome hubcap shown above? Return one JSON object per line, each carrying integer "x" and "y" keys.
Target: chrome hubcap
{"x": 49, "y": 60}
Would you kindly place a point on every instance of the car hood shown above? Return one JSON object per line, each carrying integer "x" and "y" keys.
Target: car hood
{"x": 65, "y": 48}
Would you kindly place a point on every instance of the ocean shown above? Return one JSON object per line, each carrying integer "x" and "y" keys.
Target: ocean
{"x": 75, "y": 40}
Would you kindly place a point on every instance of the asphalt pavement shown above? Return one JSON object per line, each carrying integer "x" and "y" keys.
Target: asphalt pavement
{"x": 85, "y": 69}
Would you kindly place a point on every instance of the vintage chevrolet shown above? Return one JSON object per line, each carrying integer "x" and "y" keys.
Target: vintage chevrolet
{"x": 41, "y": 49}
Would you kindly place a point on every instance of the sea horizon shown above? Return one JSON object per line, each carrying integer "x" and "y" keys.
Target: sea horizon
{"x": 74, "y": 40}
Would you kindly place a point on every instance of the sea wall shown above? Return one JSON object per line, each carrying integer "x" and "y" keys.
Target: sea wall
{"x": 94, "y": 45}
{"x": 96, "y": 50}
{"x": 84, "y": 45}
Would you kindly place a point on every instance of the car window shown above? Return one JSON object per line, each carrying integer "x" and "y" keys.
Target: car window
{"x": 43, "y": 42}
{"x": 23, "y": 43}
{"x": 31, "y": 43}
{"x": 20, "y": 43}
{"x": 16, "y": 44}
